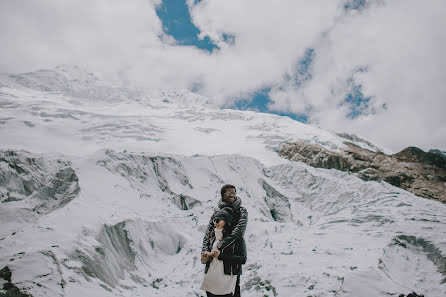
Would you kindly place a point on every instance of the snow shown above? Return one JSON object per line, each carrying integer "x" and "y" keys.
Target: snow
{"x": 53, "y": 109}
{"x": 136, "y": 155}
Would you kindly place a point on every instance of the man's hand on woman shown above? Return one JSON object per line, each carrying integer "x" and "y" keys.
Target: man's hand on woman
{"x": 215, "y": 253}
{"x": 206, "y": 256}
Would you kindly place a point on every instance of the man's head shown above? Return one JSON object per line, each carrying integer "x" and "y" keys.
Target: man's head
{"x": 228, "y": 193}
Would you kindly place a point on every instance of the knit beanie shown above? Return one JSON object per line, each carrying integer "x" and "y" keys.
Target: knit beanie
{"x": 226, "y": 214}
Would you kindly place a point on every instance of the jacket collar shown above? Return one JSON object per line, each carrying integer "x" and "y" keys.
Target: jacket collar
{"x": 235, "y": 205}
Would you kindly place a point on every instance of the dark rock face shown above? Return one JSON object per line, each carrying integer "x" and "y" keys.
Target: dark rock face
{"x": 413, "y": 294}
{"x": 278, "y": 204}
{"x": 123, "y": 246}
{"x": 9, "y": 289}
{"x": 438, "y": 152}
{"x": 356, "y": 139}
{"x": 44, "y": 184}
{"x": 112, "y": 258}
{"x": 432, "y": 252}
{"x": 416, "y": 155}
{"x": 141, "y": 170}
{"x": 412, "y": 169}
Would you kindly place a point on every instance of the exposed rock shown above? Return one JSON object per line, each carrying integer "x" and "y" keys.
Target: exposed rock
{"x": 432, "y": 252}
{"x": 416, "y": 155}
{"x": 441, "y": 153}
{"x": 412, "y": 169}
{"x": 277, "y": 203}
{"x": 9, "y": 289}
{"x": 41, "y": 184}
{"x": 122, "y": 247}
{"x": 143, "y": 171}
{"x": 413, "y": 294}
{"x": 185, "y": 202}
{"x": 111, "y": 258}
{"x": 355, "y": 139}
{"x": 261, "y": 286}
{"x": 32, "y": 274}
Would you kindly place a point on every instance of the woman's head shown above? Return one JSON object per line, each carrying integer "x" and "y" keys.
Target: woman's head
{"x": 219, "y": 224}
{"x": 223, "y": 217}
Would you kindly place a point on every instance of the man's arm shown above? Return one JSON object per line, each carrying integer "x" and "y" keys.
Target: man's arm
{"x": 237, "y": 232}
{"x": 239, "y": 258}
{"x": 205, "y": 247}
{"x": 232, "y": 258}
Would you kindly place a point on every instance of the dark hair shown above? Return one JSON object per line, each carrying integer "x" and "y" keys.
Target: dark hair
{"x": 226, "y": 214}
{"x": 225, "y": 187}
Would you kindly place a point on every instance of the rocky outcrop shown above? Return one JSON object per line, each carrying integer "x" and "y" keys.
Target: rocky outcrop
{"x": 124, "y": 246}
{"x": 111, "y": 258}
{"x": 358, "y": 140}
{"x": 8, "y": 288}
{"x": 421, "y": 173}
{"x": 142, "y": 172}
{"x": 32, "y": 182}
{"x": 416, "y": 155}
{"x": 413, "y": 294}
{"x": 277, "y": 203}
{"x": 34, "y": 273}
{"x": 441, "y": 153}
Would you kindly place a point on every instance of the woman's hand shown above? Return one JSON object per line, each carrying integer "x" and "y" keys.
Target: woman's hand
{"x": 205, "y": 257}
{"x": 215, "y": 253}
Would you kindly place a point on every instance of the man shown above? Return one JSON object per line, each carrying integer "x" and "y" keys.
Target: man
{"x": 237, "y": 228}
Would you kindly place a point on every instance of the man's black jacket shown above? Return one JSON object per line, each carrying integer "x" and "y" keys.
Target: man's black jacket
{"x": 236, "y": 230}
{"x": 233, "y": 256}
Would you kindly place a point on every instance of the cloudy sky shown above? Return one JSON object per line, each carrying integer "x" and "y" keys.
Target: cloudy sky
{"x": 375, "y": 68}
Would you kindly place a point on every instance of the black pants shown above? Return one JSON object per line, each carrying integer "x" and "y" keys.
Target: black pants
{"x": 236, "y": 292}
{"x": 237, "y": 287}
{"x": 212, "y": 295}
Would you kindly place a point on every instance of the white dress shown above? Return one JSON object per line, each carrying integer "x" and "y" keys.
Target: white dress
{"x": 215, "y": 280}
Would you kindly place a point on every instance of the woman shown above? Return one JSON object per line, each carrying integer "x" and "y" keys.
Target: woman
{"x": 223, "y": 268}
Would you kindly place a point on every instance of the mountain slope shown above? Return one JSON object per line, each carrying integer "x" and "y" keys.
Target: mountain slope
{"x": 142, "y": 177}
{"x": 76, "y": 113}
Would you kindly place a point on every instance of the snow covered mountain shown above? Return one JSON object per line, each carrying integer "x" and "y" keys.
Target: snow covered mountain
{"x": 106, "y": 191}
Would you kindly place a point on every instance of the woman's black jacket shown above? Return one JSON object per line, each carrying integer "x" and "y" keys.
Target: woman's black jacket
{"x": 233, "y": 256}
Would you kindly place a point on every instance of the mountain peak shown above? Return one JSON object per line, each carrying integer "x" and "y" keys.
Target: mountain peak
{"x": 77, "y": 81}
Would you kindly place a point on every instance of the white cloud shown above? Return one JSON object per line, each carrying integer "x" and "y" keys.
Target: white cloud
{"x": 270, "y": 36}
{"x": 400, "y": 43}
{"x": 101, "y": 34}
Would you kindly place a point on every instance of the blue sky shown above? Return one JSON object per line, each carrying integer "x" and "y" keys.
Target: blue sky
{"x": 259, "y": 101}
{"x": 176, "y": 20}
{"x": 177, "y": 23}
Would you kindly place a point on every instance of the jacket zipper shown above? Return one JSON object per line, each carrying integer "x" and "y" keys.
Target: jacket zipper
{"x": 227, "y": 245}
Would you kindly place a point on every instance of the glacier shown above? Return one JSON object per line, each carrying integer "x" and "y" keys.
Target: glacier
{"x": 107, "y": 190}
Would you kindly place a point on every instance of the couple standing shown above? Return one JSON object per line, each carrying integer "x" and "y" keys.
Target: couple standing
{"x": 224, "y": 248}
